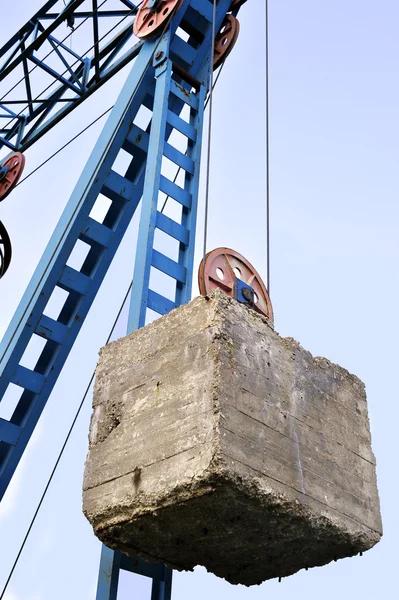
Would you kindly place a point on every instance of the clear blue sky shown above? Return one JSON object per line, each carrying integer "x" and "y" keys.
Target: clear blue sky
{"x": 334, "y": 99}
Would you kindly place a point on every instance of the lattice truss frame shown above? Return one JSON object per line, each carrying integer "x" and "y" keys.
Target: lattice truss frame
{"x": 63, "y": 54}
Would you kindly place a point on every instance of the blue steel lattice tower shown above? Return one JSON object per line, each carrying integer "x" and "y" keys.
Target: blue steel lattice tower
{"x": 170, "y": 77}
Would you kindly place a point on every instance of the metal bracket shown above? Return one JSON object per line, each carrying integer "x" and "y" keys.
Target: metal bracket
{"x": 3, "y": 172}
{"x": 244, "y": 293}
{"x": 161, "y": 54}
{"x": 159, "y": 58}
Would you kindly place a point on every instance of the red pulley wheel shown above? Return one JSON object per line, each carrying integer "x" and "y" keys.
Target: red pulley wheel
{"x": 225, "y": 40}
{"x": 10, "y": 172}
{"x": 149, "y": 22}
{"x": 219, "y": 269}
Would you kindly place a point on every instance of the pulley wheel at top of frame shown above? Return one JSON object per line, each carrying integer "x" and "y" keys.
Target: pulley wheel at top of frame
{"x": 149, "y": 23}
{"x": 225, "y": 40}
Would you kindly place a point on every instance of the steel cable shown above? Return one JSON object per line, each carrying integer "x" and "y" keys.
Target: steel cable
{"x": 267, "y": 151}
{"x": 65, "y": 145}
{"x": 208, "y": 162}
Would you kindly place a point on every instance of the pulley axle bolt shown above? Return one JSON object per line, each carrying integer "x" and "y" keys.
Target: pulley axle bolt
{"x": 248, "y": 295}
{"x": 159, "y": 55}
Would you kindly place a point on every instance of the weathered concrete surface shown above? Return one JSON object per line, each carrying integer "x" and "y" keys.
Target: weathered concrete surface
{"x": 214, "y": 441}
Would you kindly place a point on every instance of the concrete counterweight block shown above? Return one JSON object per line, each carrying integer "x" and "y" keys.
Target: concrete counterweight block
{"x": 216, "y": 442}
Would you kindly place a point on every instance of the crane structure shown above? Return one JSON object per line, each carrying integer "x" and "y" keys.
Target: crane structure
{"x": 180, "y": 43}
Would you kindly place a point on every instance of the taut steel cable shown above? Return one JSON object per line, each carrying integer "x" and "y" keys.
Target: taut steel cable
{"x": 267, "y": 151}
{"x": 208, "y": 161}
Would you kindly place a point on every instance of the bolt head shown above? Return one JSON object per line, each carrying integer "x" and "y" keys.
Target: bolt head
{"x": 248, "y": 295}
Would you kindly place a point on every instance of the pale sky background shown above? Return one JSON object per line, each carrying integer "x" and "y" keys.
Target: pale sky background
{"x": 334, "y": 99}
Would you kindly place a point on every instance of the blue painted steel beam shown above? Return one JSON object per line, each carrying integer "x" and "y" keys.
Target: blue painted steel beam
{"x": 150, "y": 196}
{"x": 108, "y": 574}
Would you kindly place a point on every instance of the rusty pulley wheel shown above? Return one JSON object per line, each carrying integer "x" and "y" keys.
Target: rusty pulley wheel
{"x": 225, "y": 40}
{"x": 10, "y": 172}
{"x": 149, "y": 22}
{"x": 222, "y": 267}
{"x": 5, "y": 250}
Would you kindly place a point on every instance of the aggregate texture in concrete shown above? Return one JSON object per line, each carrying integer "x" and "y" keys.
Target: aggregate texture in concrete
{"x": 216, "y": 442}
